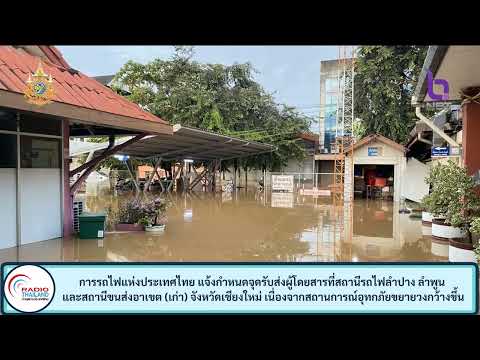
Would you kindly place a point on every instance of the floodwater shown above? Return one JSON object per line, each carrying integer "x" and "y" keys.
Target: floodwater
{"x": 250, "y": 226}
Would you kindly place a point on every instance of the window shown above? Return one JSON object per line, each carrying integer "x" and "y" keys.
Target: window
{"x": 331, "y": 108}
{"x": 331, "y": 85}
{"x": 329, "y": 139}
{"x": 330, "y": 100}
{"x": 330, "y": 121}
{"x": 8, "y": 151}
{"x": 40, "y": 125}
{"x": 40, "y": 152}
{"x": 8, "y": 120}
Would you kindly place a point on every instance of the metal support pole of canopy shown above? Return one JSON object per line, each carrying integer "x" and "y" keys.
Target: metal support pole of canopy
{"x": 220, "y": 174}
{"x": 152, "y": 175}
{"x": 132, "y": 174}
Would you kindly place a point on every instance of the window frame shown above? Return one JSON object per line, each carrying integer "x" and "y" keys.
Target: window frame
{"x": 58, "y": 142}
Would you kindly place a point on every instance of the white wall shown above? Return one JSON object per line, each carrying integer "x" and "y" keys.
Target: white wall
{"x": 305, "y": 166}
{"x": 40, "y": 205}
{"x": 389, "y": 156}
{"x": 8, "y": 208}
{"x": 414, "y": 185}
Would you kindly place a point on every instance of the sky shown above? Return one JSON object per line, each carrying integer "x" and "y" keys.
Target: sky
{"x": 291, "y": 73}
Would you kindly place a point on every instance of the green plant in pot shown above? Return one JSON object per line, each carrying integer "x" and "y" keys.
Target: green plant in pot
{"x": 433, "y": 204}
{"x": 475, "y": 230}
{"x": 153, "y": 214}
{"x": 465, "y": 205}
{"x": 440, "y": 181}
{"x": 426, "y": 205}
{"x": 138, "y": 213}
{"x": 125, "y": 216}
{"x": 453, "y": 204}
{"x": 462, "y": 208}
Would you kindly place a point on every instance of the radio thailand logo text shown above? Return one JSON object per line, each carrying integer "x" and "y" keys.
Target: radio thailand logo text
{"x": 29, "y": 288}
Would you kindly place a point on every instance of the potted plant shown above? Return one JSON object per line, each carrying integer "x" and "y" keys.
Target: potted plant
{"x": 475, "y": 230}
{"x": 427, "y": 216}
{"x": 444, "y": 180}
{"x": 154, "y": 217}
{"x": 430, "y": 202}
{"x": 125, "y": 217}
{"x": 138, "y": 214}
{"x": 461, "y": 212}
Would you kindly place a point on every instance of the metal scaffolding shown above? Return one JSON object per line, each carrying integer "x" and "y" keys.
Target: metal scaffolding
{"x": 344, "y": 119}
{"x": 343, "y": 145}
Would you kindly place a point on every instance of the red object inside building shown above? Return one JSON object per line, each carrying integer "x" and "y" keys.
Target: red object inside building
{"x": 370, "y": 177}
{"x": 380, "y": 182}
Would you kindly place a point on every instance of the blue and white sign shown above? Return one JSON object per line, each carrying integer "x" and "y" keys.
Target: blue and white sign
{"x": 440, "y": 151}
{"x": 373, "y": 151}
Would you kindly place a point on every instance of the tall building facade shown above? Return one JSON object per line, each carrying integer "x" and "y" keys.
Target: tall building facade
{"x": 328, "y": 103}
{"x": 329, "y": 96}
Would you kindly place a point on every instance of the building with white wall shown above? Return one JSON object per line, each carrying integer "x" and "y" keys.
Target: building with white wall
{"x": 35, "y": 188}
{"x": 386, "y": 160}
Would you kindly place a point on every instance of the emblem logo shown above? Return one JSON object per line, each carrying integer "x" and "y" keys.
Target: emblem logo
{"x": 39, "y": 90}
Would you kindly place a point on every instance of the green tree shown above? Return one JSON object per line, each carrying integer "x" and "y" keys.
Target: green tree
{"x": 385, "y": 80}
{"x": 359, "y": 129}
{"x": 220, "y": 98}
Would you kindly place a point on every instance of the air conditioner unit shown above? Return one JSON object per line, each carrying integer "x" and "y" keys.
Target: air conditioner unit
{"x": 78, "y": 206}
{"x": 324, "y": 151}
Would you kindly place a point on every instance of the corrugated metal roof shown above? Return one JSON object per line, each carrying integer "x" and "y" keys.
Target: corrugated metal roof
{"x": 186, "y": 143}
{"x": 71, "y": 86}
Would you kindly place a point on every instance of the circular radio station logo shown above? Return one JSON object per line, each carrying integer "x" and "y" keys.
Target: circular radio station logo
{"x": 29, "y": 288}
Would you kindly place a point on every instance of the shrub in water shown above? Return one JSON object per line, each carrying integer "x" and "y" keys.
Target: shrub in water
{"x": 139, "y": 210}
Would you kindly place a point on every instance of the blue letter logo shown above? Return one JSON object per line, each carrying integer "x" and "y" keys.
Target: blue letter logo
{"x": 431, "y": 93}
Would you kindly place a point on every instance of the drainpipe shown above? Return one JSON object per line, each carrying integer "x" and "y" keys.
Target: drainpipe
{"x": 421, "y": 139}
{"x": 432, "y": 126}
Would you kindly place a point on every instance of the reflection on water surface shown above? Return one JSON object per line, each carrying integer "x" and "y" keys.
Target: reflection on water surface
{"x": 251, "y": 227}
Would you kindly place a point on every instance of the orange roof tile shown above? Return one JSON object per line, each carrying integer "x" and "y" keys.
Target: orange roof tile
{"x": 71, "y": 87}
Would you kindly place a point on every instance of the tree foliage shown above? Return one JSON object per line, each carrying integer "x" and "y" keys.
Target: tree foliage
{"x": 385, "y": 80}
{"x": 219, "y": 98}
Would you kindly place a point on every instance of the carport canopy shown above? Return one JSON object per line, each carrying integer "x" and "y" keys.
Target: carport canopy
{"x": 189, "y": 143}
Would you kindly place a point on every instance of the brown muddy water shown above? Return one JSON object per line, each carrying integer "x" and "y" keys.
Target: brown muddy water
{"x": 250, "y": 226}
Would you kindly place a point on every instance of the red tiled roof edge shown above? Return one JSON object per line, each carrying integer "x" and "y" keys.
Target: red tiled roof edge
{"x": 54, "y": 55}
{"x": 73, "y": 87}
{"x": 309, "y": 137}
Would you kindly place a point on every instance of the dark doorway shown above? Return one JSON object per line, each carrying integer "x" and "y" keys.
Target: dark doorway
{"x": 374, "y": 181}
